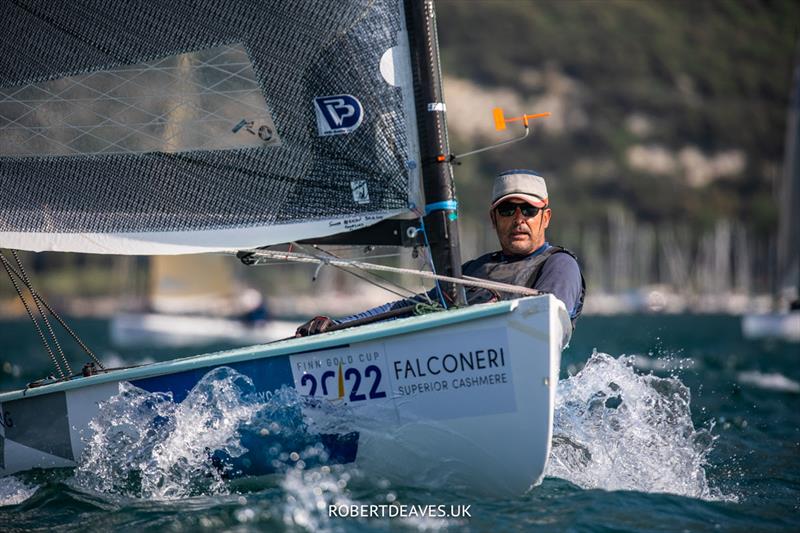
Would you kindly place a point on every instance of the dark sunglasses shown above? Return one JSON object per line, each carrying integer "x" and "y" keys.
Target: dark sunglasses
{"x": 507, "y": 209}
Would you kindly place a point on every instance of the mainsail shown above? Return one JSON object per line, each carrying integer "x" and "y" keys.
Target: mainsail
{"x": 151, "y": 128}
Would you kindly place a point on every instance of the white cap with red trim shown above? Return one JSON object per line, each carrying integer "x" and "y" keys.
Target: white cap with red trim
{"x": 519, "y": 184}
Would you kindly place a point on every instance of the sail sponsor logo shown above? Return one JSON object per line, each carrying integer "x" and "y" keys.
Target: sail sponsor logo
{"x": 338, "y": 114}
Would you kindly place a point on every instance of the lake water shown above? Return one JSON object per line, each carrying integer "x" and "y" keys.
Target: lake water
{"x": 663, "y": 423}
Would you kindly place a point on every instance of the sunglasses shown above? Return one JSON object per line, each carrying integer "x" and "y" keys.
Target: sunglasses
{"x": 507, "y": 209}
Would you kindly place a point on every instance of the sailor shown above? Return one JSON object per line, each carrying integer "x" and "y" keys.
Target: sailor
{"x": 520, "y": 213}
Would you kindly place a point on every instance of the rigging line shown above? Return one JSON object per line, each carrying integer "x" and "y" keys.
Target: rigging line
{"x": 409, "y": 293}
{"x": 28, "y": 284}
{"x": 433, "y": 266}
{"x": 425, "y": 292}
{"x": 474, "y": 282}
{"x": 410, "y": 297}
{"x": 359, "y": 257}
{"x": 55, "y": 315}
{"x": 306, "y": 250}
{"x": 30, "y": 315}
{"x": 426, "y": 251}
{"x": 427, "y": 260}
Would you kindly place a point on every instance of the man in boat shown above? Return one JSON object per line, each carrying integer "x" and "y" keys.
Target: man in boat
{"x": 520, "y": 213}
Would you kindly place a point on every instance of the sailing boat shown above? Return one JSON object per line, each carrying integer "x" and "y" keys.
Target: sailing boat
{"x": 197, "y": 300}
{"x": 785, "y": 323}
{"x": 217, "y": 127}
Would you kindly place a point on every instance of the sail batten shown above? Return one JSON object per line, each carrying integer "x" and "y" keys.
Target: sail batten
{"x": 203, "y": 126}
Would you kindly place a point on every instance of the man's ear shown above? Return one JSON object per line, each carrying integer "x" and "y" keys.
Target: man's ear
{"x": 546, "y": 214}
{"x": 492, "y": 216}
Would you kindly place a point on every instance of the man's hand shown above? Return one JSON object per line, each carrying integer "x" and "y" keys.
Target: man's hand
{"x": 318, "y": 324}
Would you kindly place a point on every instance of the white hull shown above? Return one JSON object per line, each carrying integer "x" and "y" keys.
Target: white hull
{"x": 783, "y": 326}
{"x": 176, "y": 331}
{"x": 462, "y": 398}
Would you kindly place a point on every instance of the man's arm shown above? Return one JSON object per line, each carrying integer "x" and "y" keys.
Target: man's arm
{"x": 561, "y": 277}
{"x": 432, "y": 295}
{"x": 391, "y": 306}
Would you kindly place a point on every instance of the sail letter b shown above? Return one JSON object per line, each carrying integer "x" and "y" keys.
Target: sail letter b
{"x": 338, "y": 114}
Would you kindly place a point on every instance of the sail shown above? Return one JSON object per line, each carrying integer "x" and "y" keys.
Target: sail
{"x": 187, "y": 127}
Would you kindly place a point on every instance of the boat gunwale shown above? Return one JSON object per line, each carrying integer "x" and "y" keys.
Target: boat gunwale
{"x": 292, "y": 346}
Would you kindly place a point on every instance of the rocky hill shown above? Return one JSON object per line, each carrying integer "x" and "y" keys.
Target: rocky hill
{"x": 671, "y": 115}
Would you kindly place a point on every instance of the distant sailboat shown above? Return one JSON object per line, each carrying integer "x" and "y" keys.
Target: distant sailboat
{"x": 785, "y": 323}
{"x": 196, "y": 300}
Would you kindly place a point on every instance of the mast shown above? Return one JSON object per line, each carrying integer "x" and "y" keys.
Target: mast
{"x": 441, "y": 210}
{"x": 789, "y": 195}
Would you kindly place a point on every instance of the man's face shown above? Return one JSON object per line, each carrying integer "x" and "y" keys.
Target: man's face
{"x": 520, "y": 234}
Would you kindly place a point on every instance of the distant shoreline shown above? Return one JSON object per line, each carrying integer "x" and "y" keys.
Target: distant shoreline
{"x": 657, "y": 300}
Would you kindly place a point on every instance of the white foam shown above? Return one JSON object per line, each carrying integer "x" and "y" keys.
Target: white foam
{"x": 615, "y": 429}
{"x": 309, "y": 493}
{"x": 769, "y": 381}
{"x": 145, "y": 445}
{"x": 668, "y": 363}
{"x": 14, "y": 491}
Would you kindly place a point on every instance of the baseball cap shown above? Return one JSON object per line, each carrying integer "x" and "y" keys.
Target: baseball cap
{"x": 519, "y": 184}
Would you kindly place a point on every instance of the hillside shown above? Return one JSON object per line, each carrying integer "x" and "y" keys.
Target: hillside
{"x": 670, "y": 113}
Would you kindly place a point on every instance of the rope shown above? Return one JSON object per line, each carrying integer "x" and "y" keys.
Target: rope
{"x": 426, "y": 309}
{"x": 38, "y": 297}
{"x": 383, "y": 284}
{"x": 28, "y": 284}
{"x": 357, "y": 270}
{"x": 306, "y": 258}
{"x": 9, "y": 268}
{"x": 433, "y": 267}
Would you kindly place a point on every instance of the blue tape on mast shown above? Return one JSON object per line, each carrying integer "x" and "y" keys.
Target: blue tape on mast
{"x": 451, "y": 205}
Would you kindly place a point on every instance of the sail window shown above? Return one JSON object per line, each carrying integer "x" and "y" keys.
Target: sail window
{"x": 209, "y": 99}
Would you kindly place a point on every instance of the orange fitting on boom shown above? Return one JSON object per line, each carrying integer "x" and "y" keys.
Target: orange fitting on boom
{"x": 500, "y": 121}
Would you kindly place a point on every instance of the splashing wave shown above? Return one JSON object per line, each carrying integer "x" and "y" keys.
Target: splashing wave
{"x": 145, "y": 445}
{"x": 615, "y": 429}
{"x": 14, "y": 491}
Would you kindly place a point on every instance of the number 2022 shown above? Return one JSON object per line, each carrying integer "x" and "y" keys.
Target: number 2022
{"x": 351, "y": 374}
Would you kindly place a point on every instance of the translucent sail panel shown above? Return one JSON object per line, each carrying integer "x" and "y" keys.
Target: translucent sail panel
{"x": 152, "y": 128}
{"x": 202, "y": 100}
